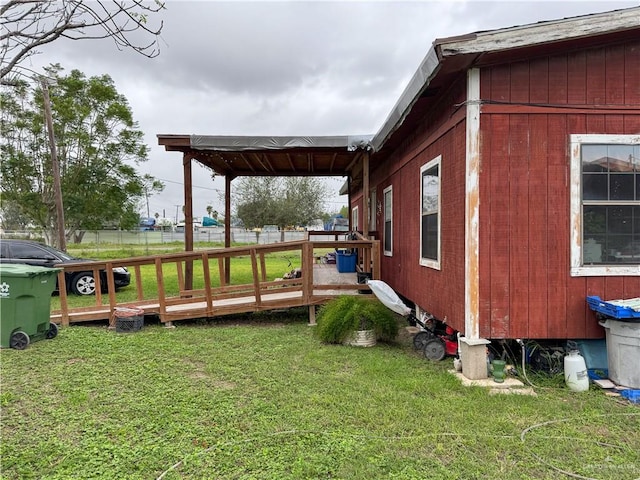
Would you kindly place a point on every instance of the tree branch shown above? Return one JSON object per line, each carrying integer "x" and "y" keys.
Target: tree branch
{"x": 26, "y": 25}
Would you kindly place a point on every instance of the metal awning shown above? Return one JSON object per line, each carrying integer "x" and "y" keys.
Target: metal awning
{"x": 236, "y": 156}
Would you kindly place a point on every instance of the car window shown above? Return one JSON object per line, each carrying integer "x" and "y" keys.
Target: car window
{"x": 57, "y": 253}
{"x": 20, "y": 250}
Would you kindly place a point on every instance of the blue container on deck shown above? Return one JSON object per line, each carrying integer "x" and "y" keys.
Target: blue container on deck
{"x": 346, "y": 261}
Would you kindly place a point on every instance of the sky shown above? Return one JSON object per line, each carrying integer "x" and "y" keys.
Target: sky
{"x": 281, "y": 68}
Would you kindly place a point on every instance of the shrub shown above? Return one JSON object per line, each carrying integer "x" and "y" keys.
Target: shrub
{"x": 340, "y": 317}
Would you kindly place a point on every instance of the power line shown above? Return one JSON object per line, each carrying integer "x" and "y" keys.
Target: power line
{"x": 194, "y": 186}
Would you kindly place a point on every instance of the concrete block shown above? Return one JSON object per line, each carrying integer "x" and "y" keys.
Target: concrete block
{"x": 473, "y": 353}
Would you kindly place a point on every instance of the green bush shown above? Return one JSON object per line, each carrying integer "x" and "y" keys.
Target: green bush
{"x": 339, "y": 318}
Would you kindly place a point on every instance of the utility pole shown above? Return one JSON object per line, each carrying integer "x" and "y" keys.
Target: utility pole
{"x": 55, "y": 168}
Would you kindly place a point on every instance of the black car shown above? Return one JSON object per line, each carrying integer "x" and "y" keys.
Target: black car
{"x": 34, "y": 253}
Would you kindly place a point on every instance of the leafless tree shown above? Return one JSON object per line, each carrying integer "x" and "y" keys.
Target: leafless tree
{"x": 26, "y": 25}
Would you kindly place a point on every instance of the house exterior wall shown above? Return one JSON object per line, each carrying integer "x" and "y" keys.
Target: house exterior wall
{"x": 441, "y": 292}
{"x": 529, "y": 109}
{"x": 526, "y": 289}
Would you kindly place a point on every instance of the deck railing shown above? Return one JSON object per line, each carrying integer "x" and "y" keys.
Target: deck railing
{"x": 202, "y": 289}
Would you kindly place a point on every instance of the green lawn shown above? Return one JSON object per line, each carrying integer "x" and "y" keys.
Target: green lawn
{"x": 259, "y": 397}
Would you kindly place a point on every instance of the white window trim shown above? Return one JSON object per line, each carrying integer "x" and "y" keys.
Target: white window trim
{"x": 372, "y": 210}
{"x": 354, "y": 218}
{"x": 427, "y": 262}
{"x": 389, "y": 190}
{"x": 577, "y": 269}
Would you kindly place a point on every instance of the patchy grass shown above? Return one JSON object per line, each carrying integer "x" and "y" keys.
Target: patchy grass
{"x": 259, "y": 397}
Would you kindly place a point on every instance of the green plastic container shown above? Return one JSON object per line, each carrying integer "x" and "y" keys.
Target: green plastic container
{"x": 25, "y": 304}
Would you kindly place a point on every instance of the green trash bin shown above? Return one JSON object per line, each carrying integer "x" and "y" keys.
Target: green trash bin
{"x": 25, "y": 304}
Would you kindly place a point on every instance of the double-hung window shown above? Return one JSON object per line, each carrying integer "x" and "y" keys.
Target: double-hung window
{"x": 354, "y": 219}
{"x": 430, "y": 219}
{"x": 388, "y": 221}
{"x": 605, "y": 205}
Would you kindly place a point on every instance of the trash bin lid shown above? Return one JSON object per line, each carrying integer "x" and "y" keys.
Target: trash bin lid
{"x": 24, "y": 271}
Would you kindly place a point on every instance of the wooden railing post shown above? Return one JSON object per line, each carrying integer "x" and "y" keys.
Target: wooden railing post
{"x": 307, "y": 280}
{"x": 207, "y": 283}
{"x": 256, "y": 276}
{"x": 375, "y": 263}
{"x": 111, "y": 287}
{"x": 62, "y": 292}
{"x": 162, "y": 301}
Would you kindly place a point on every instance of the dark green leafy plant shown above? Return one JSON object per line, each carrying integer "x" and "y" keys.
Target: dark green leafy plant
{"x": 339, "y": 318}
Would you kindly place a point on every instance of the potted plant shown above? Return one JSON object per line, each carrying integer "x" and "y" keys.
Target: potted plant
{"x": 355, "y": 320}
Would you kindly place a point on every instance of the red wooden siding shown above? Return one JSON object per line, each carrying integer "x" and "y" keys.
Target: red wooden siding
{"x": 526, "y": 290}
{"x": 441, "y": 292}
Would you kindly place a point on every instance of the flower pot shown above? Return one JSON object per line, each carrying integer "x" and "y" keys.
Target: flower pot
{"x": 362, "y": 338}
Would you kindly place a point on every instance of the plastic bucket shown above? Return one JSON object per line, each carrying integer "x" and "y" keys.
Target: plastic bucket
{"x": 623, "y": 352}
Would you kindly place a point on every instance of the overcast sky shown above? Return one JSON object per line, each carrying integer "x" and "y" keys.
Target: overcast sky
{"x": 282, "y": 68}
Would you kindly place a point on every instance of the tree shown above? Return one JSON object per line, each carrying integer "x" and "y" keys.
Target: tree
{"x": 151, "y": 185}
{"x": 12, "y": 217}
{"x": 98, "y": 141}
{"x": 279, "y": 201}
{"x": 27, "y": 25}
{"x": 212, "y": 213}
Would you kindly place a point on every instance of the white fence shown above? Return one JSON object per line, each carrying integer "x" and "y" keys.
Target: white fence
{"x": 210, "y": 235}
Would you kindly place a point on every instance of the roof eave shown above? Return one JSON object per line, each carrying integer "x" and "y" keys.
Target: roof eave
{"x": 479, "y": 43}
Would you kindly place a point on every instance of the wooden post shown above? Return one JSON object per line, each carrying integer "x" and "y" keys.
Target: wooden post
{"x": 62, "y": 292}
{"x": 162, "y": 302}
{"x": 256, "y": 277}
{"x": 365, "y": 194}
{"x": 188, "y": 219}
{"x": 111, "y": 287}
{"x": 207, "y": 283}
{"x": 375, "y": 260}
{"x": 307, "y": 280}
{"x": 227, "y": 226}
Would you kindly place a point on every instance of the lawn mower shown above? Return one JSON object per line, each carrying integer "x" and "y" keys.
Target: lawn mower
{"x": 436, "y": 339}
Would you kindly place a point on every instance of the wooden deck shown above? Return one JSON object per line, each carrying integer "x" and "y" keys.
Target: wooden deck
{"x": 220, "y": 297}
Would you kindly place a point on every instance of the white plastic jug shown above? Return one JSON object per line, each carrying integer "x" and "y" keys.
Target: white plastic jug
{"x": 575, "y": 372}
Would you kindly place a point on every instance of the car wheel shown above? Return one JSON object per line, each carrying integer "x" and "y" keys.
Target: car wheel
{"x": 19, "y": 340}
{"x": 83, "y": 284}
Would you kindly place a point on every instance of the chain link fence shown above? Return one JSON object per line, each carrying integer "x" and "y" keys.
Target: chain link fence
{"x": 136, "y": 237}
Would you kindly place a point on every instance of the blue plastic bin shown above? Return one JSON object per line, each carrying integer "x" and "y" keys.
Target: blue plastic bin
{"x": 346, "y": 261}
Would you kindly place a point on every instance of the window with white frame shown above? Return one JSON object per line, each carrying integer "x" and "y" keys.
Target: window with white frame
{"x": 354, "y": 219}
{"x": 372, "y": 210}
{"x": 388, "y": 221}
{"x": 430, "y": 214}
{"x": 605, "y": 205}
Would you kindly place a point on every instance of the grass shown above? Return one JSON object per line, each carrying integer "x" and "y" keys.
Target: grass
{"x": 259, "y": 397}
